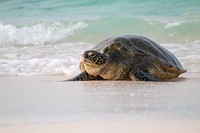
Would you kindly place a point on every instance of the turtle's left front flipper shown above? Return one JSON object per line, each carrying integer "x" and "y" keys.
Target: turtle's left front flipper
{"x": 84, "y": 76}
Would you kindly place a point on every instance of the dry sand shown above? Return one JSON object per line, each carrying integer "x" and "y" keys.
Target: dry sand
{"x": 37, "y": 104}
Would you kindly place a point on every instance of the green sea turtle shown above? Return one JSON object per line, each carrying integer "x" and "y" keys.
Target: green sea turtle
{"x": 128, "y": 57}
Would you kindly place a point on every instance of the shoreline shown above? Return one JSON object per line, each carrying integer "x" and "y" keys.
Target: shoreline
{"x": 188, "y": 76}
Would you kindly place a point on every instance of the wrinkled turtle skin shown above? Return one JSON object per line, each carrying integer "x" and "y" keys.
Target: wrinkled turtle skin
{"x": 128, "y": 57}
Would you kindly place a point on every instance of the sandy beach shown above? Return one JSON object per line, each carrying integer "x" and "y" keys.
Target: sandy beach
{"x": 49, "y": 37}
{"x": 44, "y": 104}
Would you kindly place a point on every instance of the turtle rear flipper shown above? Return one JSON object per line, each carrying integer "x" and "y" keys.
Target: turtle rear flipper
{"x": 143, "y": 76}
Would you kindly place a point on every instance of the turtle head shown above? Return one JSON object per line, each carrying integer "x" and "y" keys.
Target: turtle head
{"x": 93, "y": 62}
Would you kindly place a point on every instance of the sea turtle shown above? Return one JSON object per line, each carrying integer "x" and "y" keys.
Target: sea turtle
{"x": 128, "y": 57}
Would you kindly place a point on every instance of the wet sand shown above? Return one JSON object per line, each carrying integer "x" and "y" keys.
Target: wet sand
{"x": 43, "y": 104}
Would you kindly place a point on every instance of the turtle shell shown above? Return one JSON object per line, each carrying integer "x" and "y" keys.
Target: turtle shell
{"x": 131, "y": 49}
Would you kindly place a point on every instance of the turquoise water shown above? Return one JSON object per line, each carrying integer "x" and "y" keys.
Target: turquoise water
{"x": 47, "y": 37}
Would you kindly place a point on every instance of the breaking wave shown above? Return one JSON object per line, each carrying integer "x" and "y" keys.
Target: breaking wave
{"x": 37, "y": 34}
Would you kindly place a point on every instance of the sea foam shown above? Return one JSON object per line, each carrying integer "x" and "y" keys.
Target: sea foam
{"x": 61, "y": 59}
{"x": 37, "y": 34}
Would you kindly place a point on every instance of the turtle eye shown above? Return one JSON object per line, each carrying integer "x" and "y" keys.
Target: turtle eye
{"x": 92, "y": 54}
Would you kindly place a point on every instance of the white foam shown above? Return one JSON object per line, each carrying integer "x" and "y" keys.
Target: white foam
{"x": 37, "y": 34}
{"x": 39, "y": 67}
{"x": 173, "y": 24}
{"x": 53, "y": 59}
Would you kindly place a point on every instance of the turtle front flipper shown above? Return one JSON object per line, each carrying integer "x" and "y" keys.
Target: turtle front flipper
{"x": 84, "y": 76}
{"x": 143, "y": 76}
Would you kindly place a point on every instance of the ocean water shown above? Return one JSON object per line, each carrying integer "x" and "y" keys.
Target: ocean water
{"x": 48, "y": 37}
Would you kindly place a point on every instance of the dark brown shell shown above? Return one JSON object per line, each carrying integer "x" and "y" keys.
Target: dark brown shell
{"x": 130, "y": 48}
